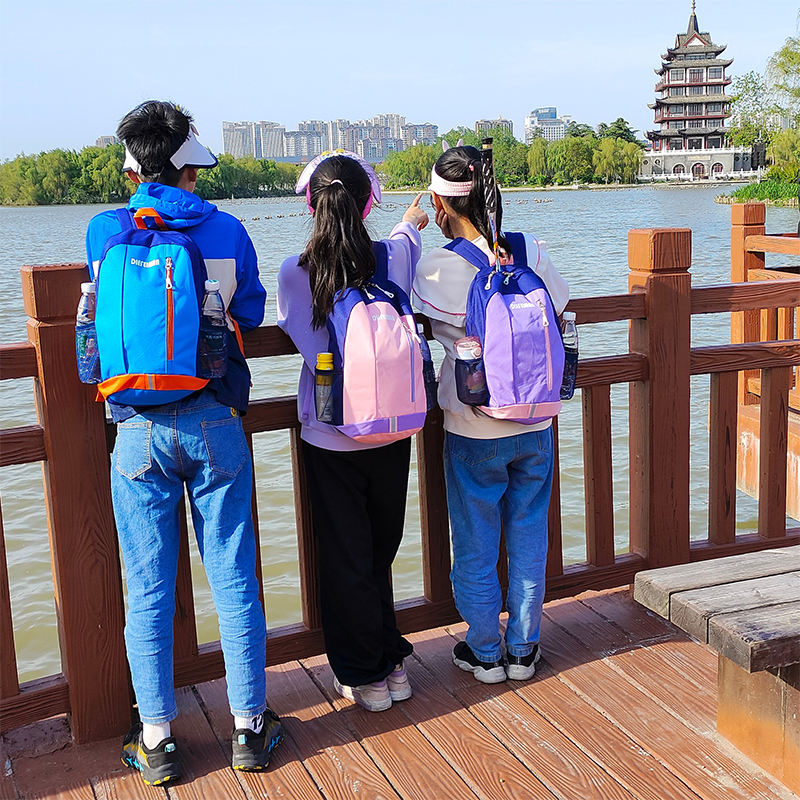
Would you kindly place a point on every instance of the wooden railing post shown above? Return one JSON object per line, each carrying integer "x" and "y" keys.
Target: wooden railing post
{"x": 747, "y": 219}
{"x": 83, "y": 541}
{"x": 659, "y": 261}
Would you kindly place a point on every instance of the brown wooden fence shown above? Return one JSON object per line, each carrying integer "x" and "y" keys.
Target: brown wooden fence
{"x": 73, "y": 440}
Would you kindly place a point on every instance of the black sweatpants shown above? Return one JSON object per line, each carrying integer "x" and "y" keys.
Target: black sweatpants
{"x": 358, "y": 501}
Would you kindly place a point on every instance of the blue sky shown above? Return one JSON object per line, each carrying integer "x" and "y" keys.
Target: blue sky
{"x": 70, "y": 70}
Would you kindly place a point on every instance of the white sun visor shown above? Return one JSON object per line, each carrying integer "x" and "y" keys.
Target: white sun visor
{"x": 191, "y": 153}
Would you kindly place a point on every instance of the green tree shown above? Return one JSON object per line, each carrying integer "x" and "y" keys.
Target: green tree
{"x": 783, "y": 78}
{"x": 467, "y": 135}
{"x": 752, "y": 109}
{"x": 411, "y": 167}
{"x": 579, "y": 129}
{"x": 537, "y": 161}
{"x": 631, "y": 160}
{"x": 605, "y": 159}
{"x": 618, "y": 129}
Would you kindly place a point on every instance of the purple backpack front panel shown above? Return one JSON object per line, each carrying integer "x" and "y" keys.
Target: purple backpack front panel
{"x": 380, "y": 396}
{"x": 511, "y": 313}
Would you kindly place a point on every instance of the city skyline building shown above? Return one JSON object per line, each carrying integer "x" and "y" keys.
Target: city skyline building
{"x": 105, "y": 141}
{"x": 690, "y": 110}
{"x": 486, "y": 125}
{"x": 546, "y": 123}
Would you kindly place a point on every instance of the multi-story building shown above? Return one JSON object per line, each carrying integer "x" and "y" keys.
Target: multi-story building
{"x": 303, "y": 144}
{"x": 105, "y": 141}
{"x": 690, "y": 111}
{"x": 486, "y": 125}
{"x": 546, "y": 123}
{"x": 419, "y": 134}
{"x": 394, "y": 122}
{"x": 239, "y": 138}
{"x": 336, "y": 136}
{"x": 269, "y": 139}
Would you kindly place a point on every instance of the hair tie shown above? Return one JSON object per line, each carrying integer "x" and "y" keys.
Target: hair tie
{"x": 335, "y": 180}
{"x": 472, "y": 168}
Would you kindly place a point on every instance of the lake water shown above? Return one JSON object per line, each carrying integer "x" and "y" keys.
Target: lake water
{"x": 586, "y": 233}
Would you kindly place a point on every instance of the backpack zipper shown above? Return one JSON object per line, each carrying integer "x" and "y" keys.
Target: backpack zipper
{"x": 411, "y": 339}
{"x": 546, "y": 325}
{"x": 169, "y": 307}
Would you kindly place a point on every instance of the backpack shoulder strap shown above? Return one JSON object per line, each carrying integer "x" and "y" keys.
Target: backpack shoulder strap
{"x": 125, "y": 219}
{"x": 517, "y": 242}
{"x": 469, "y": 252}
{"x": 381, "y": 252}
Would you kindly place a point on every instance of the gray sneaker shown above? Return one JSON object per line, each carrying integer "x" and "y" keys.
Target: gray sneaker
{"x": 372, "y": 696}
{"x": 484, "y": 671}
{"x": 522, "y": 668}
{"x": 397, "y": 681}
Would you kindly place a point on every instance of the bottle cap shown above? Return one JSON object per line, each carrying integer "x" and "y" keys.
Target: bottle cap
{"x": 212, "y": 286}
{"x": 324, "y": 360}
{"x": 568, "y": 315}
{"x": 88, "y": 288}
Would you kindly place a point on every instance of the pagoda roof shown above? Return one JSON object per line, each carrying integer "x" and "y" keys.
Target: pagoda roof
{"x": 693, "y": 39}
{"x": 684, "y": 133}
{"x": 682, "y": 100}
{"x": 694, "y": 63}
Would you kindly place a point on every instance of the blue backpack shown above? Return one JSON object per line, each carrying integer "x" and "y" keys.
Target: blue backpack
{"x": 383, "y": 375}
{"x": 511, "y": 313}
{"x": 150, "y": 288}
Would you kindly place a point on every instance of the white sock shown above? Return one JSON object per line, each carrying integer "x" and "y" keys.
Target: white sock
{"x": 254, "y": 724}
{"x": 153, "y": 735}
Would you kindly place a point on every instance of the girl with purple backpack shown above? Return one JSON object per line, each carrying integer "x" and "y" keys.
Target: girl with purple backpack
{"x": 499, "y": 472}
{"x": 357, "y": 490}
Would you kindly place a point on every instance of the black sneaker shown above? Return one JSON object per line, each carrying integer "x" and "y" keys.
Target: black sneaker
{"x": 159, "y": 765}
{"x": 521, "y": 668}
{"x": 485, "y": 672}
{"x": 251, "y": 751}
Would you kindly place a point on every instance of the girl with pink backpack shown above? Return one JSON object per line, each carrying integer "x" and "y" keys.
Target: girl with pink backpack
{"x": 498, "y": 397}
{"x": 357, "y": 472}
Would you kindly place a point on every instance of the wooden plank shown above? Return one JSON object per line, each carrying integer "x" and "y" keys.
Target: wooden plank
{"x": 628, "y": 763}
{"x": 18, "y": 361}
{"x": 579, "y": 578}
{"x": 37, "y": 700}
{"x": 184, "y": 627}
{"x": 788, "y": 245}
{"x": 759, "y": 638}
{"x": 268, "y": 340}
{"x": 416, "y": 769}
{"x": 336, "y": 761}
{"x": 773, "y": 451}
{"x": 611, "y": 369}
{"x": 434, "y": 520}
{"x": 691, "y": 611}
{"x": 72, "y": 790}
{"x": 611, "y": 308}
{"x": 9, "y": 679}
{"x": 594, "y": 632}
{"x": 306, "y": 544}
{"x": 745, "y": 543}
{"x": 286, "y": 776}
{"x": 735, "y": 357}
{"x": 619, "y": 607}
{"x": 772, "y": 275}
{"x": 555, "y": 549}
{"x": 254, "y": 515}
{"x": 752, "y": 213}
{"x": 206, "y": 767}
{"x": 562, "y": 766}
{"x": 22, "y": 445}
{"x": 468, "y": 747}
{"x": 745, "y": 296}
{"x": 653, "y": 588}
{"x": 723, "y": 420}
{"x": 696, "y": 760}
{"x": 598, "y": 476}
{"x": 274, "y": 414}
{"x": 126, "y": 785}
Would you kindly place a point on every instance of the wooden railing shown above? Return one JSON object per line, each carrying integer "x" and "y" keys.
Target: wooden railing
{"x": 73, "y": 439}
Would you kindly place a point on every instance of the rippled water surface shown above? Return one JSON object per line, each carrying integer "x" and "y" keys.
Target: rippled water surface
{"x": 586, "y": 233}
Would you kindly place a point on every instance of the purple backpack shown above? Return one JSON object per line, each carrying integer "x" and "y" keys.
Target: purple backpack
{"x": 383, "y": 376}
{"x": 510, "y": 311}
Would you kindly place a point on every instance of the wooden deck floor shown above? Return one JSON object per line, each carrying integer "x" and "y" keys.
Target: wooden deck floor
{"x": 623, "y": 706}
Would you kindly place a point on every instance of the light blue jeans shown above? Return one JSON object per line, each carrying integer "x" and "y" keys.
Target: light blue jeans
{"x": 199, "y": 443}
{"x": 494, "y": 483}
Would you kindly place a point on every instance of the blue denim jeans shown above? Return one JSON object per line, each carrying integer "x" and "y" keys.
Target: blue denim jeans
{"x": 494, "y": 483}
{"x": 197, "y": 443}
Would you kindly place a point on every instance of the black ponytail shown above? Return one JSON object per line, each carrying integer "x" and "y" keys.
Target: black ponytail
{"x": 463, "y": 164}
{"x": 339, "y": 253}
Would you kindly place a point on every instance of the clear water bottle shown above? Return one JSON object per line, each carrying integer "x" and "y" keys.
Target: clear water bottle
{"x": 86, "y": 350}
{"x": 323, "y": 387}
{"x": 569, "y": 335}
{"x": 213, "y": 334}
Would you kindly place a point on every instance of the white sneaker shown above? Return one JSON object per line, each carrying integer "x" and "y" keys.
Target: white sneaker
{"x": 397, "y": 681}
{"x": 372, "y": 696}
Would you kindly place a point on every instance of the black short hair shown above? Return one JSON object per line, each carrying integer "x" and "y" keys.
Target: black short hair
{"x": 153, "y": 132}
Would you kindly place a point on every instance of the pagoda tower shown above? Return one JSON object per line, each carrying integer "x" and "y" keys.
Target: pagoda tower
{"x": 690, "y": 111}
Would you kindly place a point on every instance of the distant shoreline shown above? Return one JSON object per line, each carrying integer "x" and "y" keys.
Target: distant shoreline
{"x": 594, "y": 187}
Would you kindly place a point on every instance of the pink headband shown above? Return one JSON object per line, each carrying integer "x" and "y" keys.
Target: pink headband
{"x": 448, "y": 188}
{"x": 304, "y": 181}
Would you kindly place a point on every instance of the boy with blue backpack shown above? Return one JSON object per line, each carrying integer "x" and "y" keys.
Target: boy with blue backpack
{"x": 499, "y": 387}
{"x": 179, "y": 427}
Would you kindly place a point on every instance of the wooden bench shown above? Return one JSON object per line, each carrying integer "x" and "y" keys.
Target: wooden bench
{"x": 747, "y": 608}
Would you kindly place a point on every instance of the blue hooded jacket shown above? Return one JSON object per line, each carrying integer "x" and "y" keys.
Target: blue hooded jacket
{"x": 229, "y": 257}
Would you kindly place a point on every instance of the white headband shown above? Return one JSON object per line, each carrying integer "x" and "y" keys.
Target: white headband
{"x": 448, "y": 188}
{"x": 190, "y": 153}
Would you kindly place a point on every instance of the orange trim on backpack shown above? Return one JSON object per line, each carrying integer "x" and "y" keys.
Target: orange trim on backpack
{"x": 153, "y": 382}
{"x": 238, "y": 333}
{"x": 139, "y": 219}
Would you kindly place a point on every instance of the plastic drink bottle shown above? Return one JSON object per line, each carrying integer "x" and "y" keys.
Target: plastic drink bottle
{"x": 569, "y": 335}
{"x": 213, "y": 334}
{"x": 86, "y": 350}
{"x": 323, "y": 387}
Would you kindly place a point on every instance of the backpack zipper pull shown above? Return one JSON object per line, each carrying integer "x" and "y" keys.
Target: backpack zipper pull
{"x": 545, "y": 321}
{"x": 169, "y": 272}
